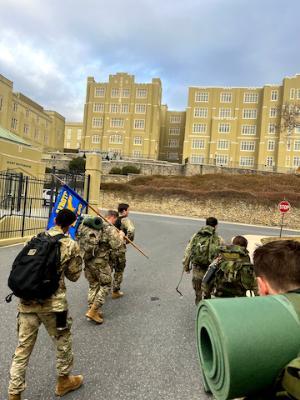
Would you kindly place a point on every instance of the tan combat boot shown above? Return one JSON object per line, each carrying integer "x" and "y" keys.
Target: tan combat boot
{"x": 66, "y": 384}
{"x": 14, "y": 396}
{"x": 117, "y": 294}
{"x": 93, "y": 315}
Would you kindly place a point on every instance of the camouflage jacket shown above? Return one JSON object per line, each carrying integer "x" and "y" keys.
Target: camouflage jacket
{"x": 128, "y": 228}
{"x": 70, "y": 267}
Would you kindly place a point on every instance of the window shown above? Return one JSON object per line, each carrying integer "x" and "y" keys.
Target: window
{"x": 247, "y": 145}
{"x": 118, "y": 139}
{"x": 199, "y": 128}
{"x": 97, "y": 122}
{"x": 69, "y": 133}
{"x": 114, "y": 108}
{"x": 95, "y": 139}
{"x": 27, "y": 113}
{"x": 225, "y": 97}
{"x": 274, "y": 95}
{"x": 225, "y": 112}
{"x": 200, "y": 112}
{"x": 115, "y": 92}
{"x": 287, "y": 161}
{"x": 173, "y": 143}
{"x": 26, "y": 129}
{"x": 14, "y": 123}
{"x": 141, "y": 93}
{"x": 68, "y": 145}
{"x": 197, "y": 159}
{"x": 174, "y": 131}
{"x": 138, "y": 140}
{"x": 172, "y": 156}
{"x": 292, "y": 94}
{"x": 297, "y": 145}
{"x": 271, "y": 145}
{"x": 140, "y": 108}
{"x": 99, "y": 92}
{"x": 79, "y": 134}
{"x": 246, "y": 161}
{"x": 272, "y": 128}
{"x": 1, "y": 102}
{"x": 288, "y": 145}
{"x": 175, "y": 119}
{"x": 46, "y": 138}
{"x": 224, "y": 128}
{"x": 125, "y": 108}
{"x": 98, "y": 107}
{"x": 296, "y": 161}
{"x": 297, "y": 129}
{"x": 273, "y": 112}
{"x": 251, "y": 97}
{"x": 198, "y": 144}
{"x": 201, "y": 97}
{"x": 126, "y": 93}
{"x": 221, "y": 159}
{"x": 139, "y": 124}
{"x": 248, "y": 130}
{"x": 269, "y": 161}
{"x": 249, "y": 113}
{"x": 36, "y": 134}
{"x": 15, "y": 107}
{"x": 136, "y": 154}
{"x": 117, "y": 123}
{"x": 223, "y": 145}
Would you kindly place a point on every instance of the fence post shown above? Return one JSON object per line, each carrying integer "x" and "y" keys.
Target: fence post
{"x": 24, "y": 209}
{"x": 52, "y": 190}
{"x": 87, "y": 194}
{"x": 20, "y": 187}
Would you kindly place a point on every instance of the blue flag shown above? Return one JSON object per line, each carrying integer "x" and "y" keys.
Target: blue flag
{"x": 68, "y": 198}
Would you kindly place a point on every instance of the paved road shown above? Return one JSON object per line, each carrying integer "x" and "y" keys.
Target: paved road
{"x": 146, "y": 348}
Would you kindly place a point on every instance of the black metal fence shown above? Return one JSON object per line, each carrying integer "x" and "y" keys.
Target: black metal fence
{"x": 26, "y": 202}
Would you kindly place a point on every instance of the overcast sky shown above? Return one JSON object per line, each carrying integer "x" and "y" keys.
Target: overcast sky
{"x": 49, "y": 47}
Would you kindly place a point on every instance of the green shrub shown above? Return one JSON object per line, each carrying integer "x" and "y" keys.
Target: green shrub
{"x": 115, "y": 171}
{"x": 130, "y": 169}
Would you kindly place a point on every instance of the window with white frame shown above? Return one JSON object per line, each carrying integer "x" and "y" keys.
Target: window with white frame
{"x": 223, "y": 144}
{"x": 201, "y": 97}
{"x": 114, "y": 108}
{"x": 296, "y": 161}
{"x": 248, "y": 130}
{"x": 246, "y": 161}
{"x": 288, "y": 145}
{"x": 97, "y": 122}
{"x": 249, "y": 113}
{"x": 115, "y": 92}
{"x": 126, "y": 93}
{"x": 175, "y": 130}
{"x": 95, "y": 139}
{"x": 199, "y": 128}
{"x": 138, "y": 140}
{"x": 139, "y": 124}
{"x": 26, "y": 129}
{"x": 225, "y": 112}
{"x": 116, "y": 139}
{"x": 172, "y": 156}
{"x": 175, "y": 119}
{"x": 99, "y": 92}
{"x": 273, "y": 112}
{"x": 287, "y": 161}
{"x": 15, "y": 107}
{"x": 79, "y": 134}
{"x": 173, "y": 143}
{"x": 198, "y": 144}
{"x": 117, "y": 123}
{"x": 224, "y": 128}
{"x": 294, "y": 94}
{"x": 14, "y": 123}
{"x": 140, "y": 108}
{"x": 200, "y": 112}
{"x": 98, "y": 107}
{"x": 221, "y": 159}
{"x": 272, "y": 128}
{"x": 226, "y": 97}
{"x": 269, "y": 161}
{"x": 125, "y": 108}
{"x": 197, "y": 159}
{"x": 297, "y": 145}
{"x": 136, "y": 154}
{"x": 250, "y": 97}
{"x": 271, "y": 145}
{"x": 141, "y": 93}
{"x": 69, "y": 133}
{"x": 274, "y": 95}
{"x": 247, "y": 145}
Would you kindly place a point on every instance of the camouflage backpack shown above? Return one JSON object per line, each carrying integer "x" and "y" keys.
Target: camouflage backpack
{"x": 205, "y": 247}
{"x": 88, "y": 236}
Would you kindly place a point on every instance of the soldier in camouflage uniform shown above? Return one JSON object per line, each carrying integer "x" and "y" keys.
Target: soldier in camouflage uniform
{"x": 34, "y": 313}
{"x": 231, "y": 274}
{"x": 208, "y": 235}
{"x": 97, "y": 241}
{"x": 125, "y": 225}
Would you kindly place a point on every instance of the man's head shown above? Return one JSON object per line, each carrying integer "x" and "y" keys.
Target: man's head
{"x": 240, "y": 241}
{"x": 212, "y": 221}
{"x": 123, "y": 209}
{"x": 65, "y": 218}
{"x": 277, "y": 267}
{"x": 112, "y": 216}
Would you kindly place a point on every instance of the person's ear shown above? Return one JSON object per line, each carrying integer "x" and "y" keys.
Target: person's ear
{"x": 263, "y": 286}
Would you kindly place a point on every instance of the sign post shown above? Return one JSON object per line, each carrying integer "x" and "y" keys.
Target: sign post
{"x": 284, "y": 207}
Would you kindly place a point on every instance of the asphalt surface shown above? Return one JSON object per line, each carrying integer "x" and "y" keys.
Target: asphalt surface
{"x": 146, "y": 349}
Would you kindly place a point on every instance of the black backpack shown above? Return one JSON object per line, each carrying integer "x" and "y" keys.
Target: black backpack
{"x": 35, "y": 272}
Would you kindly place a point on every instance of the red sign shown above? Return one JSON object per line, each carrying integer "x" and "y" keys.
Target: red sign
{"x": 284, "y": 206}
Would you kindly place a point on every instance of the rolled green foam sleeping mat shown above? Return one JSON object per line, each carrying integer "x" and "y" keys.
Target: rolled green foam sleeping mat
{"x": 243, "y": 343}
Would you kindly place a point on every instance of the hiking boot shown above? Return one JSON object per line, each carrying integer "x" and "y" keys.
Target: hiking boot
{"x": 93, "y": 315}
{"x": 66, "y": 384}
{"x": 14, "y": 396}
{"x": 117, "y": 294}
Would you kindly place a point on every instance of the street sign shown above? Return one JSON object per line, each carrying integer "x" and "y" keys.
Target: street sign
{"x": 284, "y": 206}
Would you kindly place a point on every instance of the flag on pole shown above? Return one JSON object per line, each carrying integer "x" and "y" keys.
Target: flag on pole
{"x": 68, "y": 198}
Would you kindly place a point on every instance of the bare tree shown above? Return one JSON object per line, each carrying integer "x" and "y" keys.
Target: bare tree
{"x": 290, "y": 118}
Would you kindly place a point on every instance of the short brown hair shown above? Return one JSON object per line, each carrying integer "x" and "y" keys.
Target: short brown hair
{"x": 279, "y": 263}
{"x": 240, "y": 241}
{"x": 112, "y": 213}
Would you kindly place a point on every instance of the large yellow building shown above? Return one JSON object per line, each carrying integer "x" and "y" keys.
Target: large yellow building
{"x": 28, "y": 120}
{"x": 123, "y": 117}
{"x": 242, "y": 127}
{"x": 73, "y": 135}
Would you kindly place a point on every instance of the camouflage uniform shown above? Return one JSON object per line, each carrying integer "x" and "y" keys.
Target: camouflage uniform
{"x": 234, "y": 275}
{"x": 32, "y": 314}
{"x": 119, "y": 260}
{"x": 199, "y": 270}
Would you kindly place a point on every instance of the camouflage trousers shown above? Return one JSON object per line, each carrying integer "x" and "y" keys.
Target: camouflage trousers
{"x": 28, "y": 327}
{"x": 119, "y": 265}
{"x": 98, "y": 274}
{"x": 198, "y": 274}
